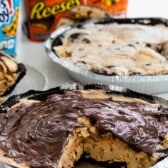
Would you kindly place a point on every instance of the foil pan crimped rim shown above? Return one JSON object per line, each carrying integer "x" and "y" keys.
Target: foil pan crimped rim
{"x": 39, "y": 95}
{"x": 147, "y": 84}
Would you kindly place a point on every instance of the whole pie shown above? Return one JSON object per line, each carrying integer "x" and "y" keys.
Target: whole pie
{"x": 116, "y": 48}
{"x": 54, "y": 128}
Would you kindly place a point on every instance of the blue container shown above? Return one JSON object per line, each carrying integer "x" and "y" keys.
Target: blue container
{"x": 9, "y": 11}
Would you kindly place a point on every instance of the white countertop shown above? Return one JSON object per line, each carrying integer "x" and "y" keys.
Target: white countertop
{"x": 34, "y": 55}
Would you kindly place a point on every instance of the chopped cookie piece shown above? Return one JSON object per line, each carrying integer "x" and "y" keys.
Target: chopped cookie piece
{"x": 55, "y": 128}
{"x": 11, "y": 73}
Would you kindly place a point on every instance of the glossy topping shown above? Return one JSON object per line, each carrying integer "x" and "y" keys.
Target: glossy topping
{"x": 116, "y": 49}
{"x": 36, "y": 132}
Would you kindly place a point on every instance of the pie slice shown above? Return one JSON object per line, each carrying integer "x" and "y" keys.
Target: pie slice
{"x": 83, "y": 13}
{"x": 54, "y": 128}
{"x": 11, "y": 72}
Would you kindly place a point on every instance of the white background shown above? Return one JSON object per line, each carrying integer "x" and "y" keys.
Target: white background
{"x": 33, "y": 53}
{"x": 148, "y": 8}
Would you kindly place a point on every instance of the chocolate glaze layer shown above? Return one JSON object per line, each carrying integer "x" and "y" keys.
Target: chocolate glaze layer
{"x": 37, "y": 133}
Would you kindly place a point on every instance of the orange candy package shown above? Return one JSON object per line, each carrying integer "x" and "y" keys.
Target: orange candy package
{"x": 117, "y": 8}
{"x": 44, "y": 16}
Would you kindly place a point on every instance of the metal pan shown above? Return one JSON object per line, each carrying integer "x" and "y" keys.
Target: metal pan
{"x": 151, "y": 84}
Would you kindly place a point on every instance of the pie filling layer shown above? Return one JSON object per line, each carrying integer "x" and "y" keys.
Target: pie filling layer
{"x": 116, "y": 49}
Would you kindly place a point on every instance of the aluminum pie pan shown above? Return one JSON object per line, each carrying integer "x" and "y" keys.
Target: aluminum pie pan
{"x": 41, "y": 95}
{"x": 152, "y": 84}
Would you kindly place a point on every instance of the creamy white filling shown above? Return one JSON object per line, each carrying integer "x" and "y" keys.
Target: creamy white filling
{"x": 114, "y": 48}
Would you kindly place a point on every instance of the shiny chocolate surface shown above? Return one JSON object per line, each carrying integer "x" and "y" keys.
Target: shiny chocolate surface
{"x": 37, "y": 132}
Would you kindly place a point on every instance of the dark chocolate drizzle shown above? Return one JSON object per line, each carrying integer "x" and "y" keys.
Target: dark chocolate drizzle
{"x": 37, "y": 133}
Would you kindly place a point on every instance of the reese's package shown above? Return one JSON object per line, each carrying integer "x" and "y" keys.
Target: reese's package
{"x": 45, "y": 16}
{"x": 9, "y": 11}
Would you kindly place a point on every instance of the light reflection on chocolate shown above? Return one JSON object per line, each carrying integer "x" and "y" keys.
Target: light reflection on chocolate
{"x": 36, "y": 133}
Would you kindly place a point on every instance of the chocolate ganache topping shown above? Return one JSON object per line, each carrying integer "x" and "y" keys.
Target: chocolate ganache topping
{"x": 37, "y": 132}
